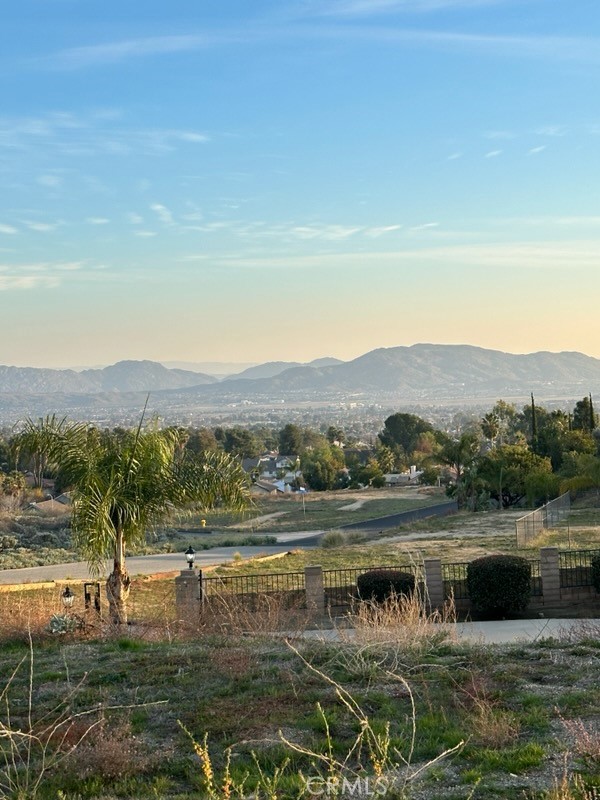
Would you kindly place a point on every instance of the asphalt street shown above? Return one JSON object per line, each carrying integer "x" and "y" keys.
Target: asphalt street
{"x": 164, "y": 562}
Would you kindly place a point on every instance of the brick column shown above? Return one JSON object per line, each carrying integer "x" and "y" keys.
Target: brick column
{"x": 434, "y": 583}
{"x": 315, "y": 591}
{"x": 550, "y": 572}
{"x": 186, "y": 592}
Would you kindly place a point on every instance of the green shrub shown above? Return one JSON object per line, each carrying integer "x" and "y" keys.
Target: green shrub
{"x": 499, "y": 585}
{"x": 595, "y": 565}
{"x": 379, "y": 584}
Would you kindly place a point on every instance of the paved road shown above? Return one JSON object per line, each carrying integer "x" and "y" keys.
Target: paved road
{"x": 165, "y": 562}
{"x": 403, "y": 517}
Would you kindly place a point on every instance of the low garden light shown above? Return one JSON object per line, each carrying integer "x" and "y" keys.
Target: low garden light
{"x": 190, "y": 554}
{"x": 67, "y": 597}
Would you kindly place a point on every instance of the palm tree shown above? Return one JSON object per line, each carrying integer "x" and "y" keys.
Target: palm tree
{"x": 124, "y": 482}
{"x": 34, "y": 443}
{"x": 490, "y": 426}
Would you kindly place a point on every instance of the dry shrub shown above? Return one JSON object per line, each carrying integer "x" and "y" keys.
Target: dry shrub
{"x": 492, "y": 725}
{"x": 582, "y": 630}
{"x": 583, "y": 741}
{"x": 401, "y": 620}
{"x": 25, "y": 613}
{"x": 258, "y": 614}
{"x": 112, "y": 751}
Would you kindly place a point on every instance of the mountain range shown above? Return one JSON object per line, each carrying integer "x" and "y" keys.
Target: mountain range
{"x": 421, "y": 372}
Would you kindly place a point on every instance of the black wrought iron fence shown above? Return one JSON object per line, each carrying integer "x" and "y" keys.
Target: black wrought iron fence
{"x": 243, "y": 585}
{"x": 340, "y": 585}
{"x": 454, "y": 577}
{"x": 576, "y": 568}
{"x": 536, "y": 578}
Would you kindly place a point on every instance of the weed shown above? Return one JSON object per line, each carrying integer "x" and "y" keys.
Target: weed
{"x": 113, "y": 753}
{"x": 403, "y": 622}
{"x": 584, "y": 742}
{"x": 332, "y": 539}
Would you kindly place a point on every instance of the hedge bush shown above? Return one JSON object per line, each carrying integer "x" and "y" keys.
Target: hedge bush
{"x": 379, "y": 584}
{"x": 595, "y": 566}
{"x": 499, "y": 585}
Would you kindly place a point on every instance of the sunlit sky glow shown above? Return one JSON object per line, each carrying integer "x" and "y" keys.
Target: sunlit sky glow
{"x": 287, "y": 179}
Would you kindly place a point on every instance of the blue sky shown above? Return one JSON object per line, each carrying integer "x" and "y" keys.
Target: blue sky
{"x": 251, "y": 181}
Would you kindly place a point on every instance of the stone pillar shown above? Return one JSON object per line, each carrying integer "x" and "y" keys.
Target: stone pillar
{"x": 315, "y": 591}
{"x": 550, "y": 572}
{"x": 434, "y": 583}
{"x": 186, "y": 592}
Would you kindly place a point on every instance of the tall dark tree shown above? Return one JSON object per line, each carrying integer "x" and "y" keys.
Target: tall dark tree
{"x": 241, "y": 442}
{"x": 583, "y": 415}
{"x": 534, "y": 427}
{"x": 291, "y": 440}
{"x": 403, "y": 430}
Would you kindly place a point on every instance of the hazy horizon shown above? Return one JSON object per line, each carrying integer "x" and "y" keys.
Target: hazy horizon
{"x": 220, "y": 367}
{"x": 293, "y": 179}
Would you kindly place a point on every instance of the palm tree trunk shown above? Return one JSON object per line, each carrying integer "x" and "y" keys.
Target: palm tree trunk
{"x": 117, "y": 585}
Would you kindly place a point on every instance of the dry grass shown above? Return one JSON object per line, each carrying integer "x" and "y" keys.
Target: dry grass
{"x": 492, "y": 725}
{"x": 26, "y": 613}
{"x": 584, "y": 741}
{"x": 258, "y": 614}
{"x": 113, "y": 752}
{"x": 572, "y": 788}
{"x": 403, "y": 621}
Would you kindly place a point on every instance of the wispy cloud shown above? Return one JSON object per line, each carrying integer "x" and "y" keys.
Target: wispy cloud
{"x": 8, "y": 229}
{"x": 493, "y": 154}
{"x": 8, "y": 282}
{"x": 504, "y": 135}
{"x": 375, "y": 233}
{"x": 543, "y": 256}
{"x": 552, "y": 130}
{"x": 50, "y": 181}
{"x": 36, "y": 275}
{"x": 535, "y": 150}
{"x": 362, "y": 8}
{"x": 163, "y": 213}
{"x": 87, "y": 134}
{"x": 116, "y": 52}
{"x": 327, "y": 232}
{"x": 552, "y": 48}
{"x": 97, "y": 220}
{"x": 425, "y": 226}
{"x": 341, "y": 14}
{"x": 42, "y": 227}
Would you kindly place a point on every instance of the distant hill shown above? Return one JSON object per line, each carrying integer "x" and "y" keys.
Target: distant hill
{"x": 421, "y": 373}
{"x": 217, "y": 368}
{"x": 432, "y": 372}
{"x": 125, "y": 376}
{"x": 273, "y": 368}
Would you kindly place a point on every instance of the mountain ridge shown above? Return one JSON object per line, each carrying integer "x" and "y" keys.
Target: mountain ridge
{"x": 417, "y": 373}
